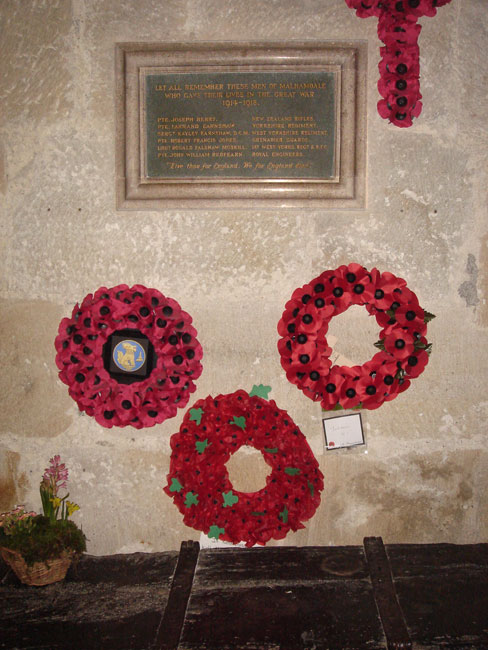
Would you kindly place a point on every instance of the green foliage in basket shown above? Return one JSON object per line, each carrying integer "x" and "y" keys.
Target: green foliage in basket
{"x": 39, "y": 538}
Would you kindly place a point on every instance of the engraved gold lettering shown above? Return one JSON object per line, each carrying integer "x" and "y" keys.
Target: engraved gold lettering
{"x": 209, "y": 123}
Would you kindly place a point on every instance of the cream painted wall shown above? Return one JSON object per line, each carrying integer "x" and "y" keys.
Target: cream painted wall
{"x": 424, "y": 476}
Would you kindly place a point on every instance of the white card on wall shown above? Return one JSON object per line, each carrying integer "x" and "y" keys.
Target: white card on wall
{"x": 343, "y": 431}
{"x": 207, "y": 542}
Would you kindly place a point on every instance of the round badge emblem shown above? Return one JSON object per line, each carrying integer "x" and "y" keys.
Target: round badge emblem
{"x": 129, "y": 355}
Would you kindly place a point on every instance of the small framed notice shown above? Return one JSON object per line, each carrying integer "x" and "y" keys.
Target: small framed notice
{"x": 343, "y": 431}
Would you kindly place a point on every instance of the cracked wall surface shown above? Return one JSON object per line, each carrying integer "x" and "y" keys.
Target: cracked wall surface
{"x": 424, "y": 476}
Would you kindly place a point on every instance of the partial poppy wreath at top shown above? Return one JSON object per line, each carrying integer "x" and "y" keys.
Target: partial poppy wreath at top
{"x": 80, "y": 356}
{"x": 199, "y": 483}
{"x": 399, "y": 66}
{"x": 305, "y": 354}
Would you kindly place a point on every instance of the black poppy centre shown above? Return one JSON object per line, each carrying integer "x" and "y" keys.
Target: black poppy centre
{"x": 128, "y": 356}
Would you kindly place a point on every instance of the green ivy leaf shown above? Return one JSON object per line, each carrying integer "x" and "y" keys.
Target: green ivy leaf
{"x": 311, "y": 488}
{"x": 380, "y": 344}
{"x": 201, "y": 445}
{"x": 400, "y": 373}
{"x": 274, "y": 450}
{"x": 175, "y": 485}
{"x": 191, "y": 499}
{"x": 292, "y": 471}
{"x": 428, "y": 316}
{"x": 215, "y": 532}
{"x": 260, "y": 391}
{"x": 337, "y": 407}
{"x": 229, "y": 499}
{"x": 196, "y": 415}
{"x": 284, "y": 515}
{"x": 239, "y": 421}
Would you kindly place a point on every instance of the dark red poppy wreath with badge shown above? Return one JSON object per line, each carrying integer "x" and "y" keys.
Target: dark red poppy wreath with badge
{"x": 129, "y": 356}
{"x": 305, "y": 354}
{"x": 199, "y": 483}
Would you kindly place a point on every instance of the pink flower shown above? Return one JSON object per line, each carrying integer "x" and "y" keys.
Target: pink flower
{"x": 56, "y": 475}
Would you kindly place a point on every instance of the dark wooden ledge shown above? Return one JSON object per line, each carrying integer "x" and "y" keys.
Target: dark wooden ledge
{"x": 371, "y": 597}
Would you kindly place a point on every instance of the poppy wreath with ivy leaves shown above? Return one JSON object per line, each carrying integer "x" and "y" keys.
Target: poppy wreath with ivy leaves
{"x": 172, "y": 348}
{"x": 399, "y": 66}
{"x": 199, "y": 483}
{"x": 305, "y": 354}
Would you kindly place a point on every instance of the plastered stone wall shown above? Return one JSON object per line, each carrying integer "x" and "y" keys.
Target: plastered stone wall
{"x": 423, "y": 475}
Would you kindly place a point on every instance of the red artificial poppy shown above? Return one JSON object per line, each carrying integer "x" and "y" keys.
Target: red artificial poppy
{"x": 399, "y": 343}
{"x": 418, "y": 8}
{"x": 371, "y": 390}
{"x": 349, "y": 397}
{"x": 331, "y": 392}
{"x": 399, "y": 386}
{"x": 408, "y": 87}
{"x": 340, "y": 295}
{"x": 365, "y": 9}
{"x": 415, "y": 364}
{"x": 396, "y": 33}
{"x": 412, "y": 317}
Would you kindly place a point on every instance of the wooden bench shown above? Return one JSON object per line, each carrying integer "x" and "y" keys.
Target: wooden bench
{"x": 425, "y": 596}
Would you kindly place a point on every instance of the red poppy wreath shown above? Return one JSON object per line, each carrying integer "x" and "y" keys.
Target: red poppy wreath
{"x": 199, "y": 483}
{"x": 399, "y": 66}
{"x": 129, "y": 356}
{"x": 305, "y": 354}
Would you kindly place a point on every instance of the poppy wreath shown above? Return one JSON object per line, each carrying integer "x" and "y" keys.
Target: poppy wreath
{"x": 399, "y": 66}
{"x": 199, "y": 483}
{"x": 305, "y": 354}
{"x": 175, "y": 353}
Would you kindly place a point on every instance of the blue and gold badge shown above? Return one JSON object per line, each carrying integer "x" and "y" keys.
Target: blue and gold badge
{"x": 129, "y": 355}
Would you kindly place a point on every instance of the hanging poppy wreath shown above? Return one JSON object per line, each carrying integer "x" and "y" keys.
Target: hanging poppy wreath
{"x": 305, "y": 354}
{"x": 129, "y": 356}
{"x": 199, "y": 483}
{"x": 399, "y": 66}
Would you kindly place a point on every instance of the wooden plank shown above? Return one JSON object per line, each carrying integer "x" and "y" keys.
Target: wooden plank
{"x": 443, "y": 593}
{"x": 335, "y": 615}
{"x": 107, "y": 602}
{"x": 389, "y": 609}
{"x": 283, "y": 564}
{"x": 284, "y": 598}
{"x": 169, "y": 631}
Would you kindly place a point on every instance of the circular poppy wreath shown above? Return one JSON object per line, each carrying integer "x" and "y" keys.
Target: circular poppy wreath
{"x": 305, "y": 354}
{"x": 199, "y": 483}
{"x": 155, "y": 323}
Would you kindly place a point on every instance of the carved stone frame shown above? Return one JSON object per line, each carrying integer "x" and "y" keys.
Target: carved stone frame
{"x": 347, "y": 190}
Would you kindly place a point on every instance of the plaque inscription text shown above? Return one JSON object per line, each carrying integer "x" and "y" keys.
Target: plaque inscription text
{"x": 262, "y": 125}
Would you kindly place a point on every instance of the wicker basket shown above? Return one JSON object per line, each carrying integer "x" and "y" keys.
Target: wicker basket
{"x": 39, "y": 573}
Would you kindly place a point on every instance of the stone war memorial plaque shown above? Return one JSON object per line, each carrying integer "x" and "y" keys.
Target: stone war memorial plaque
{"x": 216, "y": 125}
{"x": 240, "y": 125}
